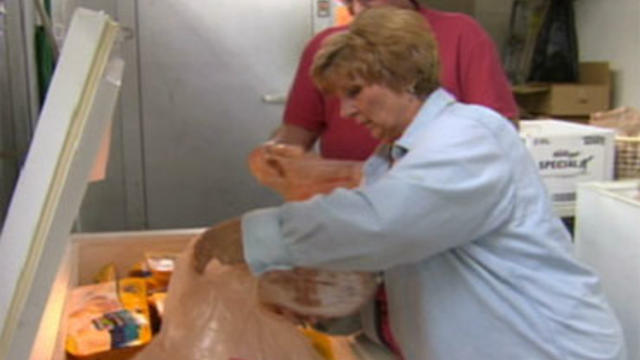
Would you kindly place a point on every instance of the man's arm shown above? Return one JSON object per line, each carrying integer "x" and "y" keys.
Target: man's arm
{"x": 304, "y": 112}
{"x": 294, "y": 135}
{"x": 484, "y": 80}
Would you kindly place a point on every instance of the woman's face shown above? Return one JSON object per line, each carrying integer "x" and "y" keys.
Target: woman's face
{"x": 384, "y": 112}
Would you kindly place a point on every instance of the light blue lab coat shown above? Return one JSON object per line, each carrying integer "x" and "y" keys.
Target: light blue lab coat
{"x": 475, "y": 263}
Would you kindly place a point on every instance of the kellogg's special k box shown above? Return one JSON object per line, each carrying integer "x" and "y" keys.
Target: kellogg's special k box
{"x": 567, "y": 154}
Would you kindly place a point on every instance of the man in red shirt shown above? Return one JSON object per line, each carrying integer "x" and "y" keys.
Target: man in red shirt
{"x": 470, "y": 70}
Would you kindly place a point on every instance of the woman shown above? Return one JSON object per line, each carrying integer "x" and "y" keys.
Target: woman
{"x": 452, "y": 210}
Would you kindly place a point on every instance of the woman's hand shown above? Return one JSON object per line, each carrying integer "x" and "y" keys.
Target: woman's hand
{"x": 298, "y": 175}
{"x": 222, "y": 242}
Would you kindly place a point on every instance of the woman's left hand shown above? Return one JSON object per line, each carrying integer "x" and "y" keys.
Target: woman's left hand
{"x": 222, "y": 242}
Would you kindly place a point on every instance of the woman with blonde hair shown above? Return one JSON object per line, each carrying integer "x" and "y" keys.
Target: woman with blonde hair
{"x": 452, "y": 210}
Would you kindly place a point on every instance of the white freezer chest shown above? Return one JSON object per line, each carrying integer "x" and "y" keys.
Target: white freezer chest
{"x": 41, "y": 261}
{"x": 607, "y": 238}
{"x": 83, "y": 257}
{"x": 87, "y": 253}
{"x": 79, "y": 105}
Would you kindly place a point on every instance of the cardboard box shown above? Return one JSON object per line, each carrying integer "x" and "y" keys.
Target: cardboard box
{"x": 567, "y": 154}
{"x": 591, "y": 94}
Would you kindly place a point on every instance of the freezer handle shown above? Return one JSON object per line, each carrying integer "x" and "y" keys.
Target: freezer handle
{"x": 274, "y": 98}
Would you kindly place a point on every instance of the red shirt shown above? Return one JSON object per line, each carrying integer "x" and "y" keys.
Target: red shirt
{"x": 470, "y": 70}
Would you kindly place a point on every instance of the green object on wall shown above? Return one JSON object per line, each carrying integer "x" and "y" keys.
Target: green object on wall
{"x": 44, "y": 57}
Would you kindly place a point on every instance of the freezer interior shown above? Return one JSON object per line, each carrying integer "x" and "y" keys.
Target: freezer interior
{"x": 88, "y": 253}
{"x": 85, "y": 255}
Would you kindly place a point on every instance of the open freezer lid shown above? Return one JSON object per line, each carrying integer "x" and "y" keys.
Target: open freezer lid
{"x": 78, "y": 108}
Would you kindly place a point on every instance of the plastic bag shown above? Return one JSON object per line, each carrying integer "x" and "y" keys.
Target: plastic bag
{"x": 626, "y": 122}
{"x": 217, "y": 316}
{"x": 317, "y": 293}
{"x": 297, "y": 175}
{"x": 527, "y": 17}
{"x": 555, "y": 57}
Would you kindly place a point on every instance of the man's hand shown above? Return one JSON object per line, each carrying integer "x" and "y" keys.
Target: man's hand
{"x": 222, "y": 242}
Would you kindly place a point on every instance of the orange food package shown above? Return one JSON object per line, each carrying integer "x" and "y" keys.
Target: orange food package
{"x": 157, "y": 300}
{"x": 105, "y": 317}
{"x": 107, "y": 273}
{"x": 161, "y": 266}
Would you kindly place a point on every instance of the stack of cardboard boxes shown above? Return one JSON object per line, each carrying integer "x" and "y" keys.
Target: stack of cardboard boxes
{"x": 568, "y": 101}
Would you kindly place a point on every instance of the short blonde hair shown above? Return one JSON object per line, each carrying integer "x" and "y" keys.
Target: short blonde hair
{"x": 384, "y": 46}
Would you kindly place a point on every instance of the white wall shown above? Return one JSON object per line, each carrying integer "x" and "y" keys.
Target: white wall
{"x": 494, "y": 16}
{"x": 464, "y": 6}
{"x": 609, "y": 30}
